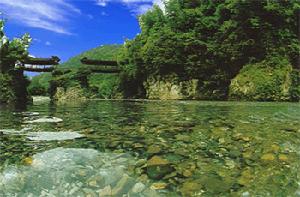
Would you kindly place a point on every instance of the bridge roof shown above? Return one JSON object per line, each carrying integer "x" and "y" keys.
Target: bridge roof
{"x": 54, "y": 60}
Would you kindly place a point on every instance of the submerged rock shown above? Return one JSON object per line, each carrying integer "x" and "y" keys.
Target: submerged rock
{"x": 159, "y": 186}
{"x": 69, "y": 172}
{"x": 154, "y": 149}
{"x": 283, "y": 157}
{"x": 158, "y": 167}
{"x": 268, "y": 157}
{"x": 191, "y": 188}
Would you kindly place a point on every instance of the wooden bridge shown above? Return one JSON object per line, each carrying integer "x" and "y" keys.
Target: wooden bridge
{"x": 48, "y": 65}
{"x": 101, "y": 66}
{"x": 38, "y": 64}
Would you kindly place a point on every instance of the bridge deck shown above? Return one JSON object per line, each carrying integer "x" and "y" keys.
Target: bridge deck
{"x": 94, "y": 62}
{"x": 38, "y": 69}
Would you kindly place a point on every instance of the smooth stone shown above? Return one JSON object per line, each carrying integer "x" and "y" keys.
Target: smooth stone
{"x": 154, "y": 149}
{"x": 123, "y": 186}
{"x": 247, "y": 155}
{"x": 283, "y": 157}
{"x": 268, "y": 157}
{"x": 138, "y": 188}
{"x": 245, "y": 138}
{"x": 140, "y": 162}
{"x": 158, "y": 186}
{"x": 215, "y": 184}
{"x": 157, "y": 161}
{"x": 245, "y": 178}
{"x": 275, "y": 148}
{"x": 149, "y": 193}
{"x": 106, "y": 191}
{"x": 246, "y": 194}
{"x": 93, "y": 183}
{"x": 182, "y": 152}
{"x": 138, "y": 145}
{"x": 191, "y": 188}
{"x": 28, "y": 160}
{"x": 171, "y": 175}
{"x": 187, "y": 173}
{"x": 158, "y": 167}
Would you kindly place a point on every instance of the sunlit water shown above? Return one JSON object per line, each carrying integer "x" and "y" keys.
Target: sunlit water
{"x": 150, "y": 148}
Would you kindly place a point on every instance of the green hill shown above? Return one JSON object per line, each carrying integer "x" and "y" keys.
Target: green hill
{"x": 105, "y": 52}
{"x": 70, "y": 73}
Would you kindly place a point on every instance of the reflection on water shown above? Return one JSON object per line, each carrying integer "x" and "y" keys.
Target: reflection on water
{"x": 184, "y": 148}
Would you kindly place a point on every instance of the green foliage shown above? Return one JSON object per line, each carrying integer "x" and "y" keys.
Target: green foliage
{"x": 39, "y": 84}
{"x": 14, "y": 83}
{"x": 12, "y": 50}
{"x": 209, "y": 41}
{"x": 105, "y": 52}
{"x": 74, "y": 74}
{"x": 103, "y": 86}
{"x": 295, "y": 87}
{"x": 269, "y": 80}
{"x": 6, "y": 91}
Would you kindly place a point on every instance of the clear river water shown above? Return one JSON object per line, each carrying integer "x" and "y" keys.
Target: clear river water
{"x": 150, "y": 148}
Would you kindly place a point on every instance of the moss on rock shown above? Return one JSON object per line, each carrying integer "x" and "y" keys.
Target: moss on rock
{"x": 269, "y": 80}
{"x": 6, "y": 91}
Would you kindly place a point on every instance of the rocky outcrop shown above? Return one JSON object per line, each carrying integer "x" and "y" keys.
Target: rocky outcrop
{"x": 70, "y": 94}
{"x": 171, "y": 88}
{"x": 264, "y": 81}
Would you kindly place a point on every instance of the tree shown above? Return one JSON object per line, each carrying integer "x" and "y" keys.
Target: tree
{"x": 211, "y": 40}
{"x": 11, "y": 51}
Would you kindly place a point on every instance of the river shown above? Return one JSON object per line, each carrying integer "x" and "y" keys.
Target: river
{"x": 150, "y": 148}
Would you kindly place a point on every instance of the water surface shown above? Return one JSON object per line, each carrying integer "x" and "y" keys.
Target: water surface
{"x": 167, "y": 148}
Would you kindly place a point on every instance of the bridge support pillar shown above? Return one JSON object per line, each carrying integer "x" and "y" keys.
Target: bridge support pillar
{"x": 19, "y": 84}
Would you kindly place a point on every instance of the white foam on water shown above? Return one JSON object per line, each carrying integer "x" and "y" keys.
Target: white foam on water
{"x": 53, "y": 136}
{"x": 14, "y": 131}
{"x": 45, "y": 120}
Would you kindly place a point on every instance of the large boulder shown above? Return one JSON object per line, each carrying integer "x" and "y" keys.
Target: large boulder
{"x": 269, "y": 80}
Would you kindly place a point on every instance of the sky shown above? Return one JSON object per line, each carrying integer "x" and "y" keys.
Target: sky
{"x": 66, "y": 28}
